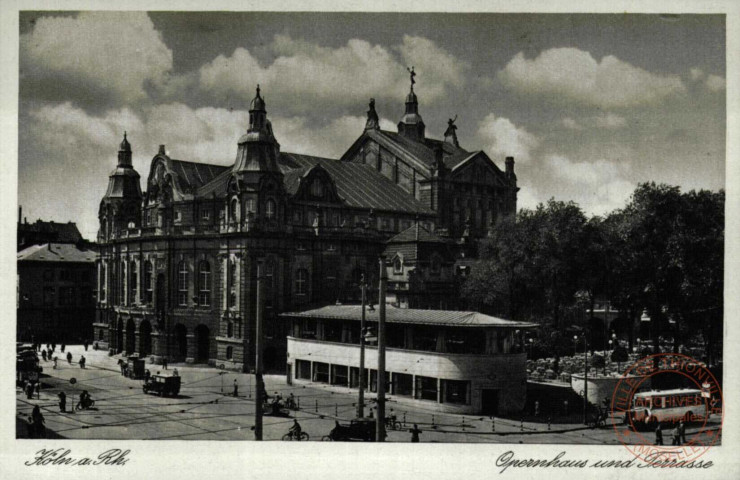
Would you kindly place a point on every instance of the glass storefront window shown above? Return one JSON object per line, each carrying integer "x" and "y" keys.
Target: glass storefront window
{"x": 321, "y": 372}
{"x": 426, "y": 388}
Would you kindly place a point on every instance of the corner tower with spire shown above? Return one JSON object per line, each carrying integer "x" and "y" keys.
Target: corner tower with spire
{"x": 411, "y": 125}
{"x": 119, "y": 207}
{"x": 255, "y": 190}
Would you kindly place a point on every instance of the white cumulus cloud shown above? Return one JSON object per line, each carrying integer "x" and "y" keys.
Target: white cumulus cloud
{"x": 499, "y": 137}
{"x": 86, "y": 52}
{"x": 599, "y": 186}
{"x": 304, "y": 75}
{"x": 577, "y": 75}
{"x": 715, "y": 83}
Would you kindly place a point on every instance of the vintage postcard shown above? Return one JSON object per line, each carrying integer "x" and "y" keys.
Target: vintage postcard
{"x": 241, "y": 227}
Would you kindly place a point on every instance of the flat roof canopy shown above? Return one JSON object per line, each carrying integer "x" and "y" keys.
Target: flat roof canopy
{"x": 444, "y": 318}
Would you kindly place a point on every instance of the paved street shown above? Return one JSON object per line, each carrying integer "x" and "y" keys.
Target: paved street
{"x": 203, "y": 411}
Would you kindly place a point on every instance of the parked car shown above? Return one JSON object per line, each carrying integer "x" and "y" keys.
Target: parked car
{"x": 162, "y": 385}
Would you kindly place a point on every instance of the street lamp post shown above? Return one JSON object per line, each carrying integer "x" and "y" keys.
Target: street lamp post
{"x": 585, "y": 373}
{"x": 531, "y": 346}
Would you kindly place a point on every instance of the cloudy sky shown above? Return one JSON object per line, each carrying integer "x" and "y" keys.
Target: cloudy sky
{"x": 589, "y": 105}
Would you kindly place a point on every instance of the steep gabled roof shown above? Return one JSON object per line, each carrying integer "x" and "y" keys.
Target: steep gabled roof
{"x": 194, "y": 175}
{"x": 358, "y": 185}
{"x": 57, "y": 232}
{"x": 408, "y": 241}
{"x": 56, "y": 252}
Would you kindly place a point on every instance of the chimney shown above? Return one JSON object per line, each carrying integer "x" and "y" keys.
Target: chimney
{"x": 510, "y": 168}
{"x": 162, "y": 150}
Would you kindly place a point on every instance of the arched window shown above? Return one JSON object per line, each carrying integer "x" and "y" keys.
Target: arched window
{"x": 148, "y": 282}
{"x": 317, "y": 188}
{"x": 229, "y": 353}
{"x": 232, "y": 283}
{"x": 270, "y": 209}
{"x": 122, "y": 290}
{"x": 182, "y": 284}
{"x": 397, "y": 265}
{"x": 134, "y": 282}
{"x": 204, "y": 284}
{"x": 234, "y": 210}
{"x": 301, "y": 282}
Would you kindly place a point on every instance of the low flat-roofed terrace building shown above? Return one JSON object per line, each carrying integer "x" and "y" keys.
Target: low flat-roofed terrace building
{"x": 452, "y": 361}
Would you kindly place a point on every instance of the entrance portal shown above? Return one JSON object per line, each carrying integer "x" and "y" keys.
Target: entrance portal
{"x": 130, "y": 336}
{"x": 119, "y": 336}
{"x": 181, "y": 340}
{"x": 145, "y": 338}
{"x": 489, "y": 402}
{"x": 202, "y": 343}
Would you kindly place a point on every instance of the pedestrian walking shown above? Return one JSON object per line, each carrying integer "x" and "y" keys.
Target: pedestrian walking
{"x": 55, "y": 362}
{"x": 236, "y": 388}
{"x": 682, "y": 431}
{"x": 48, "y": 346}
{"x": 30, "y": 427}
{"x": 175, "y": 373}
{"x": 29, "y": 391}
{"x": 658, "y": 435}
{"x": 43, "y": 354}
{"x": 86, "y": 343}
{"x": 164, "y": 363}
{"x": 414, "y": 434}
{"x": 69, "y": 357}
{"x": 82, "y": 361}
{"x": 676, "y": 436}
{"x": 147, "y": 375}
{"x": 63, "y": 346}
{"x": 38, "y": 390}
{"x": 536, "y": 408}
{"x": 62, "y": 401}
{"x": 38, "y": 422}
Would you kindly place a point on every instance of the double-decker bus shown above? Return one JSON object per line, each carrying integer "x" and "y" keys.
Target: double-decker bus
{"x": 670, "y": 406}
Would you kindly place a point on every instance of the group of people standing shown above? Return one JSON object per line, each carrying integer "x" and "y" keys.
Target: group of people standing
{"x": 678, "y": 435}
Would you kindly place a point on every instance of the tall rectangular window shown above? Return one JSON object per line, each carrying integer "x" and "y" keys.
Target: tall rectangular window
{"x": 426, "y": 388}
{"x": 303, "y": 369}
{"x": 148, "y": 282}
{"x": 182, "y": 284}
{"x": 204, "y": 284}
{"x": 134, "y": 282}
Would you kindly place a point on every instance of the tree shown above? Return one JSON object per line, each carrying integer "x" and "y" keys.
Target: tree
{"x": 619, "y": 355}
{"x": 529, "y": 267}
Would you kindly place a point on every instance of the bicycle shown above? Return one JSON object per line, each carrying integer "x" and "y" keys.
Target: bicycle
{"x": 303, "y": 436}
{"x": 90, "y": 404}
{"x": 392, "y": 423}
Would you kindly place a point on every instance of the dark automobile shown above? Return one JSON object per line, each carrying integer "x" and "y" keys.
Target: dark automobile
{"x": 358, "y": 429}
{"x": 162, "y": 385}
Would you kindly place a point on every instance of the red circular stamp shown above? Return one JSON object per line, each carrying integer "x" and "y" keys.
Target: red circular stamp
{"x": 672, "y": 408}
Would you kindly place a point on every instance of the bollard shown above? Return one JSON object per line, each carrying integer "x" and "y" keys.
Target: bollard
{"x": 463, "y": 423}
{"x": 299, "y": 403}
{"x": 317, "y": 406}
{"x": 521, "y": 425}
{"x": 548, "y": 422}
{"x": 493, "y": 425}
{"x": 432, "y": 419}
{"x": 336, "y": 410}
{"x": 404, "y": 419}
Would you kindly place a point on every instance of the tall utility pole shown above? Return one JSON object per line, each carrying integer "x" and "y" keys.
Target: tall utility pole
{"x": 259, "y": 401}
{"x": 361, "y": 398}
{"x": 380, "y": 425}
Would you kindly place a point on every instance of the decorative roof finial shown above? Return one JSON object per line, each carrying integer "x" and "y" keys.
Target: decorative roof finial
{"x": 450, "y": 133}
{"x": 258, "y": 89}
{"x": 373, "y": 123}
{"x": 412, "y": 74}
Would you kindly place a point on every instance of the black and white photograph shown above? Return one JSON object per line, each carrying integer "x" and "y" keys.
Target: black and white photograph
{"x": 424, "y": 226}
